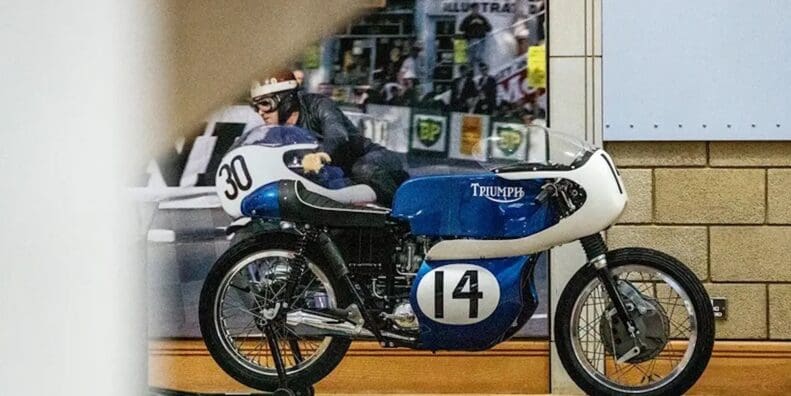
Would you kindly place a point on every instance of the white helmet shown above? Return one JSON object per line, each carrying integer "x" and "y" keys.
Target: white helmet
{"x": 275, "y": 94}
{"x": 281, "y": 82}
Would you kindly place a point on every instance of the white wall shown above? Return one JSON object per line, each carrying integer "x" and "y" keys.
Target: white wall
{"x": 77, "y": 80}
{"x": 697, "y": 70}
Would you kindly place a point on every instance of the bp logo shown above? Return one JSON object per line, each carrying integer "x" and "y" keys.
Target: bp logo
{"x": 510, "y": 139}
{"x": 429, "y": 131}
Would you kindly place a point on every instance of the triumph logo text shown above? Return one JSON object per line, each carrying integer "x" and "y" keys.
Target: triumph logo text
{"x": 499, "y": 194}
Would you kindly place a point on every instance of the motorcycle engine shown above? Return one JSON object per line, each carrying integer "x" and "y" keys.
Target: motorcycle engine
{"x": 409, "y": 255}
{"x": 389, "y": 280}
{"x": 404, "y": 317}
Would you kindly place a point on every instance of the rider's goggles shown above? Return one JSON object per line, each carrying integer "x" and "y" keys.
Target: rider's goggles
{"x": 267, "y": 104}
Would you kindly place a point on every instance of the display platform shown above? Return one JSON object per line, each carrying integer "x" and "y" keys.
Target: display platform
{"x": 152, "y": 391}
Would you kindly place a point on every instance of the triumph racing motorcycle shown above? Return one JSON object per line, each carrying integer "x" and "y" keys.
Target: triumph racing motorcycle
{"x": 314, "y": 264}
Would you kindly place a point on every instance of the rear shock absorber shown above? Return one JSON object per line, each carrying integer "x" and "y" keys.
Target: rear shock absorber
{"x": 299, "y": 264}
{"x": 298, "y": 267}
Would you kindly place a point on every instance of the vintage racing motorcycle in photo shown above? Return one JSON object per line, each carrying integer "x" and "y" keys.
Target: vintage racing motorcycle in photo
{"x": 315, "y": 264}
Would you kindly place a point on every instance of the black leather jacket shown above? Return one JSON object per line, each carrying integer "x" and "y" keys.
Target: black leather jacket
{"x": 337, "y": 136}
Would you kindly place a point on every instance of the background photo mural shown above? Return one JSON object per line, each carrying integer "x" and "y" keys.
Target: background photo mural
{"x": 424, "y": 78}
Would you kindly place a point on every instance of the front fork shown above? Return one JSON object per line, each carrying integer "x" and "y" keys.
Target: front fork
{"x": 596, "y": 253}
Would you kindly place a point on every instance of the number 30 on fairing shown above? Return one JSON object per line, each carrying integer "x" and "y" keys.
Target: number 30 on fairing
{"x": 458, "y": 294}
{"x": 236, "y": 177}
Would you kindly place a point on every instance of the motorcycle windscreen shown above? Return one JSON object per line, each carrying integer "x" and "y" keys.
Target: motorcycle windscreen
{"x": 482, "y": 206}
{"x": 530, "y": 147}
{"x": 329, "y": 176}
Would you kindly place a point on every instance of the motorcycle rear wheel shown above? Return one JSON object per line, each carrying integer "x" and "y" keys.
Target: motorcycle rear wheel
{"x": 586, "y": 352}
{"x": 230, "y": 308}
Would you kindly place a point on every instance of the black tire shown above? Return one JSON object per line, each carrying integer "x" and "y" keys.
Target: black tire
{"x": 304, "y": 378}
{"x": 685, "y": 279}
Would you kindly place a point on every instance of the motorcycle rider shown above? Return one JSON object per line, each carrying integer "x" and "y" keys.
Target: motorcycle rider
{"x": 279, "y": 101}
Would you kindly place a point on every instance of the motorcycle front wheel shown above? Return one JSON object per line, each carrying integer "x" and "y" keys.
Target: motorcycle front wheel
{"x": 243, "y": 289}
{"x": 672, "y": 309}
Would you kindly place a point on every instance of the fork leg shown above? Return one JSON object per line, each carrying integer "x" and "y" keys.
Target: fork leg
{"x": 596, "y": 252}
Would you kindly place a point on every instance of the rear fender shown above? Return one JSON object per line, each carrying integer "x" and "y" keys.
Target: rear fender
{"x": 246, "y": 227}
{"x": 237, "y": 225}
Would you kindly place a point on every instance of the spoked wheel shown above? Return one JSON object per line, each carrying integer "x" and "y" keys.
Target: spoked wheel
{"x": 242, "y": 301}
{"x": 670, "y": 310}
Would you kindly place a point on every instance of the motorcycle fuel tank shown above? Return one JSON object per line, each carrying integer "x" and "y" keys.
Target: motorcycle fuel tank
{"x": 481, "y": 206}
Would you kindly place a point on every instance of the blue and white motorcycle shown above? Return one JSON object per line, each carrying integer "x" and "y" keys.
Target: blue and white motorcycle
{"x": 315, "y": 264}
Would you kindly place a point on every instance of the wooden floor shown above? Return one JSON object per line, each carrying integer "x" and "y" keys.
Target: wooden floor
{"x": 514, "y": 367}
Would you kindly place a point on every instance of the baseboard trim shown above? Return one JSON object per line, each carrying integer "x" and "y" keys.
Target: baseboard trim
{"x": 521, "y": 366}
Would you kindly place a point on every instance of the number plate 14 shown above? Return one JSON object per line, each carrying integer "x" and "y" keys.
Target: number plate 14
{"x": 458, "y": 294}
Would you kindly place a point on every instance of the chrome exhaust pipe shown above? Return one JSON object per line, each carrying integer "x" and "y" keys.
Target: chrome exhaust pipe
{"x": 318, "y": 324}
{"x": 309, "y": 323}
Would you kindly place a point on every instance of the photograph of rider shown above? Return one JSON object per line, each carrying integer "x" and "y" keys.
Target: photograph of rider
{"x": 528, "y": 26}
{"x": 463, "y": 91}
{"x": 475, "y": 27}
{"x": 411, "y": 73}
{"x": 487, "y": 91}
{"x": 279, "y": 101}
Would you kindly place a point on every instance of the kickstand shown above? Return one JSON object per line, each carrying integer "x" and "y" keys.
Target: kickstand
{"x": 299, "y": 391}
{"x": 283, "y": 388}
{"x": 278, "y": 358}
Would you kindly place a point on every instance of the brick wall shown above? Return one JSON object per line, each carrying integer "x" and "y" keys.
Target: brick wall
{"x": 724, "y": 209}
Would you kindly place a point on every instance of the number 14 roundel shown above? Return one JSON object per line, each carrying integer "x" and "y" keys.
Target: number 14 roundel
{"x": 458, "y": 294}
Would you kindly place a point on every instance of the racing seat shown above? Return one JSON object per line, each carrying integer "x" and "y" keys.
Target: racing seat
{"x": 299, "y": 204}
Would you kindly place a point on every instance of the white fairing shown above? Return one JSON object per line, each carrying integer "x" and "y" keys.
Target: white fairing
{"x": 605, "y": 202}
{"x": 265, "y": 165}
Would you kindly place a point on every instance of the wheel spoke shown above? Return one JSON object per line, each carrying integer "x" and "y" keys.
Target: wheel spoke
{"x": 651, "y": 368}
{"x": 260, "y": 346}
{"x": 247, "y": 311}
{"x": 244, "y": 339}
{"x": 301, "y": 295}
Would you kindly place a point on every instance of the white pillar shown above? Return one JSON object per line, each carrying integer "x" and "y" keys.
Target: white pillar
{"x": 78, "y": 79}
{"x": 575, "y": 109}
{"x": 89, "y": 90}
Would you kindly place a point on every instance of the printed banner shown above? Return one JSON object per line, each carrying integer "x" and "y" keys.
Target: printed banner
{"x": 385, "y": 66}
{"x": 468, "y": 136}
{"x": 429, "y": 133}
{"x": 370, "y": 126}
{"x": 391, "y": 126}
{"x": 311, "y": 57}
{"x": 509, "y": 141}
{"x": 466, "y": 56}
{"x": 341, "y": 94}
{"x": 459, "y": 51}
{"x": 537, "y": 66}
